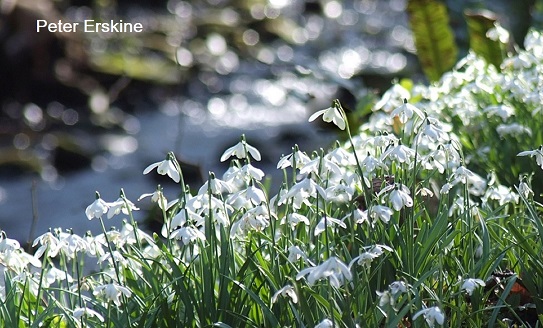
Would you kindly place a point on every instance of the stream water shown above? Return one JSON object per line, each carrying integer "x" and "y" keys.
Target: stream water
{"x": 268, "y": 100}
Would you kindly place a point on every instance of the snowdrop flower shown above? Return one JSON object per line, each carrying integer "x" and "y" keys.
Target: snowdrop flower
{"x": 79, "y": 312}
{"x": 188, "y": 235}
{"x": 406, "y": 111}
{"x": 286, "y": 291}
{"x": 112, "y": 292}
{"x": 372, "y": 253}
{"x": 253, "y": 172}
{"x": 397, "y": 287}
{"x": 392, "y": 98}
{"x": 339, "y": 193}
{"x": 215, "y": 185}
{"x": 524, "y": 189}
{"x": 167, "y": 166}
{"x": 340, "y": 156}
{"x": 432, "y": 315}
{"x": 470, "y": 284}
{"x": 380, "y": 212}
{"x": 358, "y": 216}
{"x": 294, "y": 219}
{"x": 538, "y": 153}
{"x": 370, "y": 164}
{"x": 326, "y": 323}
{"x": 322, "y": 166}
{"x": 327, "y": 221}
{"x": 433, "y": 130}
{"x": 399, "y": 196}
{"x": 301, "y": 192}
{"x": 8, "y": 244}
{"x": 385, "y": 298}
{"x": 97, "y": 208}
{"x": 157, "y": 197}
{"x": 502, "y": 194}
{"x": 331, "y": 114}
{"x": 49, "y": 242}
{"x": 502, "y": 111}
{"x": 184, "y": 215}
{"x": 241, "y": 150}
{"x": 332, "y": 269}
{"x": 399, "y": 153}
{"x": 295, "y": 253}
{"x": 296, "y": 158}
{"x": 121, "y": 204}
{"x": 255, "y": 195}
{"x": 498, "y": 33}
{"x": 513, "y": 129}
{"x": 53, "y": 274}
{"x": 71, "y": 244}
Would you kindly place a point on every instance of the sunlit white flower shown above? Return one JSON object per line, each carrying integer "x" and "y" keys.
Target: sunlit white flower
{"x": 406, "y": 111}
{"x": 71, "y": 244}
{"x": 368, "y": 256}
{"x": 380, "y": 212}
{"x": 470, "y": 284}
{"x": 157, "y": 197}
{"x": 502, "y": 194}
{"x": 433, "y": 130}
{"x": 498, "y": 33}
{"x": 98, "y": 208}
{"x": 502, "y": 111}
{"x": 53, "y": 275}
{"x": 79, "y": 312}
{"x": 370, "y": 164}
{"x": 359, "y": 216}
{"x": 121, "y": 204}
{"x": 257, "y": 218}
{"x": 241, "y": 150}
{"x": 538, "y": 153}
{"x": 326, "y": 323}
{"x": 301, "y": 192}
{"x": 184, "y": 215}
{"x": 513, "y": 129}
{"x": 188, "y": 235}
{"x": 321, "y": 166}
{"x": 340, "y": 156}
{"x": 112, "y": 292}
{"x": 255, "y": 195}
{"x": 295, "y": 218}
{"x": 330, "y": 114}
{"x": 49, "y": 242}
{"x": 215, "y": 186}
{"x": 524, "y": 189}
{"x": 327, "y": 221}
{"x": 385, "y": 298}
{"x": 8, "y": 244}
{"x": 332, "y": 269}
{"x": 397, "y": 287}
{"x": 252, "y": 172}
{"x": 164, "y": 167}
{"x": 432, "y": 315}
{"x": 295, "y": 253}
{"x": 392, "y": 98}
{"x": 399, "y": 196}
{"x": 339, "y": 193}
{"x": 399, "y": 153}
{"x": 295, "y": 159}
{"x": 286, "y": 291}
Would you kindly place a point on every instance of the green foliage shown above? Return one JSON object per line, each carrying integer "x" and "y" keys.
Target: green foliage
{"x": 434, "y": 39}
{"x": 479, "y": 23}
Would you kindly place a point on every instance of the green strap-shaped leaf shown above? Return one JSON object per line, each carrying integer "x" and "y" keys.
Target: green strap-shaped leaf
{"x": 434, "y": 39}
{"x": 479, "y": 22}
